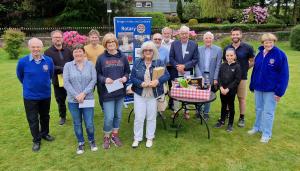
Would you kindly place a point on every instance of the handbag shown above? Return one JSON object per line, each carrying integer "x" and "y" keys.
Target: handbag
{"x": 162, "y": 103}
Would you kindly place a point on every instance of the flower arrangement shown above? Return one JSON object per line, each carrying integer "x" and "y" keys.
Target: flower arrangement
{"x": 72, "y": 38}
{"x": 192, "y": 34}
{"x": 255, "y": 14}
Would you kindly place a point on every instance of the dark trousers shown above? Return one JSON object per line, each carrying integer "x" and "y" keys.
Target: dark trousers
{"x": 227, "y": 100}
{"x": 171, "y": 102}
{"x": 37, "y": 113}
{"x": 60, "y": 97}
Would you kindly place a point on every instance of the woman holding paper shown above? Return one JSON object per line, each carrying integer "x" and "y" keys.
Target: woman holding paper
{"x": 112, "y": 73}
{"x": 147, "y": 89}
{"x": 79, "y": 80}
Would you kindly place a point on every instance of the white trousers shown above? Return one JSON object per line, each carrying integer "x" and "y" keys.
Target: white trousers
{"x": 144, "y": 108}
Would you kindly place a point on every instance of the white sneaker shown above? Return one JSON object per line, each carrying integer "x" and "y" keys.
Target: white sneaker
{"x": 135, "y": 144}
{"x": 252, "y": 132}
{"x": 149, "y": 143}
{"x": 265, "y": 139}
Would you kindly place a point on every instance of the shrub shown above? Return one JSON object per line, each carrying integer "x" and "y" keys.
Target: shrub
{"x": 274, "y": 20}
{"x": 193, "y": 22}
{"x": 226, "y": 22}
{"x": 72, "y": 38}
{"x": 13, "y": 40}
{"x": 225, "y": 42}
{"x": 191, "y": 10}
{"x": 295, "y": 37}
{"x": 283, "y": 35}
{"x": 255, "y": 13}
{"x": 173, "y": 19}
{"x": 158, "y": 18}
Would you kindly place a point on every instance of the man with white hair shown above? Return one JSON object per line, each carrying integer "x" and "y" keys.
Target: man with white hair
{"x": 209, "y": 62}
{"x": 35, "y": 72}
{"x": 162, "y": 51}
{"x": 183, "y": 58}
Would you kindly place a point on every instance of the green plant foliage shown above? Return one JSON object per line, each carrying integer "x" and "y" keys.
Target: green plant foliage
{"x": 215, "y": 9}
{"x": 225, "y": 42}
{"x": 295, "y": 37}
{"x": 191, "y": 10}
{"x": 158, "y": 18}
{"x": 173, "y": 19}
{"x": 193, "y": 22}
{"x": 274, "y": 20}
{"x": 179, "y": 9}
{"x": 283, "y": 35}
{"x": 13, "y": 40}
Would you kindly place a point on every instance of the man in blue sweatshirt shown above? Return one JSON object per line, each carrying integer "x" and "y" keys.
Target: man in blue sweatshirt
{"x": 35, "y": 71}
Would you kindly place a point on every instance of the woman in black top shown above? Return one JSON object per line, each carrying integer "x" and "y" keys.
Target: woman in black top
{"x": 229, "y": 78}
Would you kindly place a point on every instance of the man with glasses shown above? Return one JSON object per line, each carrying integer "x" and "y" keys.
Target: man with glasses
{"x": 60, "y": 56}
{"x": 162, "y": 51}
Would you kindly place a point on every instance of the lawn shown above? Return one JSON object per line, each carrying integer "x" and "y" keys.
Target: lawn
{"x": 190, "y": 151}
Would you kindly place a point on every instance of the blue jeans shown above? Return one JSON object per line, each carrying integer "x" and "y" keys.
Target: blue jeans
{"x": 265, "y": 105}
{"x": 88, "y": 116}
{"x": 112, "y": 114}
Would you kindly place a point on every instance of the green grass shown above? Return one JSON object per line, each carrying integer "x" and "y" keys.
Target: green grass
{"x": 190, "y": 151}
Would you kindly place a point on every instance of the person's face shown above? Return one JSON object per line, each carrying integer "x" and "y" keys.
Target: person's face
{"x": 35, "y": 48}
{"x": 157, "y": 40}
{"x": 208, "y": 40}
{"x": 57, "y": 39}
{"x": 268, "y": 44}
{"x": 111, "y": 45}
{"x": 148, "y": 53}
{"x": 167, "y": 34}
{"x": 230, "y": 56}
{"x": 236, "y": 36}
{"x": 94, "y": 39}
{"x": 184, "y": 36}
{"x": 78, "y": 55}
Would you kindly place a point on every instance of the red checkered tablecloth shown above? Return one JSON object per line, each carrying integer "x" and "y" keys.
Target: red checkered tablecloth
{"x": 190, "y": 93}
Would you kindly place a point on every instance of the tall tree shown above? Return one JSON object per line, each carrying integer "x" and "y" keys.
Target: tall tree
{"x": 214, "y": 9}
{"x": 278, "y": 5}
{"x": 179, "y": 9}
{"x": 296, "y": 11}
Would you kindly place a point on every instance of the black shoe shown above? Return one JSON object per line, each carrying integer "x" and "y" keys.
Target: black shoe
{"x": 48, "y": 138}
{"x": 219, "y": 124}
{"x": 162, "y": 115}
{"x": 229, "y": 128}
{"x": 197, "y": 116}
{"x": 36, "y": 146}
{"x": 241, "y": 122}
{"x": 62, "y": 121}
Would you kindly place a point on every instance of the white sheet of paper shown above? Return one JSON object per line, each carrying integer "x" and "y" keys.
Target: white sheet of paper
{"x": 186, "y": 73}
{"x": 87, "y": 103}
{"x": 116, "y": 85}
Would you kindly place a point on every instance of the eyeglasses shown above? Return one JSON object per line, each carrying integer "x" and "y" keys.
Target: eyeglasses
{"x": 157, "y": 39}
{"x": 148, "y": 50}
{"x": 110, "y": 42}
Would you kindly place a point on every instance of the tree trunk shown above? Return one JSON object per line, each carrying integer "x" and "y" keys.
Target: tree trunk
{"x": 286, "y": 8}
{"x": 295, "y": 11}
{"x": 262, "y": 3}
{"x": 278, "y": 8}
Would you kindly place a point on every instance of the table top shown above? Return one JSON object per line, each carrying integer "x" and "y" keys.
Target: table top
{"x": 187, "y": 100}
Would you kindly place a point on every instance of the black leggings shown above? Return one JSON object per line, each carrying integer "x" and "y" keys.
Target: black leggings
{"x": 227, "y": 100}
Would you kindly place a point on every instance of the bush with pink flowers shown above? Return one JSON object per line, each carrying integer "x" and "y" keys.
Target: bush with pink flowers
{"x": 72, "y": 38}
{"x": 255, "y": 14}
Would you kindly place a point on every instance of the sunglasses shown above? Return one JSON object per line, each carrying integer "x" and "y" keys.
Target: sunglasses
{"x": 148, "y": 50}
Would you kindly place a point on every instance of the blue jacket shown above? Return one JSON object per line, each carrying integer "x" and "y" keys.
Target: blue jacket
{"x": 35, "y": 78}
{"x": 114, "y": 67}
{"x": 137, "y": 76}
{"x": 270, "y": 73}
{"x": 189, "y": 60}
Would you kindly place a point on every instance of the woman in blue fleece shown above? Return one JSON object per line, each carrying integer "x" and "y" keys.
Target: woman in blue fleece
{"x": 269, "y": 81}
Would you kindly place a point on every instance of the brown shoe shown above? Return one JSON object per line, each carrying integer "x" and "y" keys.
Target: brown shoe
{"x": 186, "y": 115}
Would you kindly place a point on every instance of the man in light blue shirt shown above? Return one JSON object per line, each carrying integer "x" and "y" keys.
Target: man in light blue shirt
{"x": 162, "y": 51}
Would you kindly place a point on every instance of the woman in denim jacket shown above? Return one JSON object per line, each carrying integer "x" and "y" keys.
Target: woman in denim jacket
{"x": 146, "y": 91}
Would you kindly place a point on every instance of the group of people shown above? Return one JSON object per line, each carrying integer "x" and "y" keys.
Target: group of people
{"x": 75, "y": 74}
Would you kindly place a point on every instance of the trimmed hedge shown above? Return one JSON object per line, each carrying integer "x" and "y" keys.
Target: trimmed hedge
{"x": 295, "y": 37}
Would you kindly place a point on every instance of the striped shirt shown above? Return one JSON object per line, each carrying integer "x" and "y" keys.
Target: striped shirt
{"x": 77, "y": 81}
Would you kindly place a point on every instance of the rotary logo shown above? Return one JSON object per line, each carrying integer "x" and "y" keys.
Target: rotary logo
{"x": 141, "y": 28}
{"x": 272, "y": 61}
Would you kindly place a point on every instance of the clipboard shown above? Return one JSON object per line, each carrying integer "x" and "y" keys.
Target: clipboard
{"x": 60, "y": 80}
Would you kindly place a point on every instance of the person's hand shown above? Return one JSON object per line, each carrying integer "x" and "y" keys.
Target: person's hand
{"x": 277, "y": 98}
{"x": 180, "y": 68}
{"x": 80, "y": 97}
{"x": 215, "y": 82}
{"x": 109, "y": 81}
{"x": 123, "y": 80}
{"x": 144, "y": 84}
{"x": 153, "y": 83}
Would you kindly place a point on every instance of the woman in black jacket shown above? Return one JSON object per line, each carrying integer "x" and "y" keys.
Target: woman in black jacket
{"x": 229, "y": 78}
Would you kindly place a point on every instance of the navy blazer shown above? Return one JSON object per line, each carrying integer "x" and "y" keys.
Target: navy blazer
{"x": 190, "y": 58}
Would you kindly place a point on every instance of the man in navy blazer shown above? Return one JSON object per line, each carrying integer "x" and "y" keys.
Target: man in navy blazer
{"x": 183, "y": 57}
{"x": 210, "y": 58}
